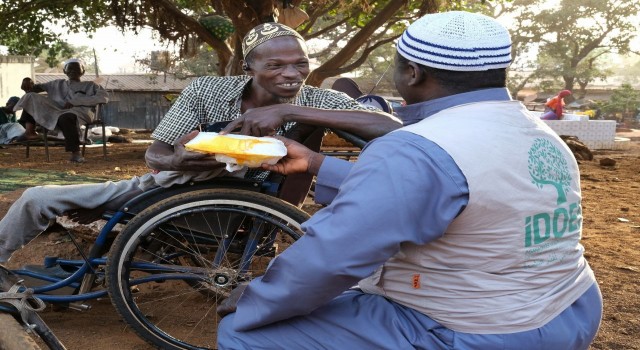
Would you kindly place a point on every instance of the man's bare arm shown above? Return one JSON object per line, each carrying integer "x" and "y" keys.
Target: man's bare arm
{"x": 163, "y": 156}
{"x": 264, "y": 121}
{"x": 36, "y": 88}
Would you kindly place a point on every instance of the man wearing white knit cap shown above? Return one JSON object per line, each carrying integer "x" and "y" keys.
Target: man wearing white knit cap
{"x": 460, "y": 230}
{"x": 68, "y": 104}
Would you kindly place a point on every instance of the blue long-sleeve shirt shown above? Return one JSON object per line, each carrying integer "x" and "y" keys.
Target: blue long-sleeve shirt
{"x": 404, "y": 188}
{"x": 333, "y": 170}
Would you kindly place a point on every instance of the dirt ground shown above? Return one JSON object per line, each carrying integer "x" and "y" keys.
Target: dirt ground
{"x": 611, "y": 211}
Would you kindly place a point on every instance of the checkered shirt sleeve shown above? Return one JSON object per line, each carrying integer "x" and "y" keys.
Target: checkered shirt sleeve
{"x": 213, "y": 99}
{"x": 205, "y": 100}
{"x": 328, "y": 99}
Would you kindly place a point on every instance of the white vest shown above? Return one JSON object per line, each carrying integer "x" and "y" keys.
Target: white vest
{"x": 511, "y": 261}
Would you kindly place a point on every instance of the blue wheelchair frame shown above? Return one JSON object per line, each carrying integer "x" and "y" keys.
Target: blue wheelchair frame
{"x": 80, "y": 274}
{"x": 89, "y": 263}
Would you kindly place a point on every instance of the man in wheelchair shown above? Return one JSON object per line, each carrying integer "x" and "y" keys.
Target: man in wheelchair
{"x": 443, "y": 235}
{"x": 272, "y": 95}
{"x": 273, "y": 90}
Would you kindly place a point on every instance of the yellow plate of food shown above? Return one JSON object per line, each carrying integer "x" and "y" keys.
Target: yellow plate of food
{"x": 242, "y": 150}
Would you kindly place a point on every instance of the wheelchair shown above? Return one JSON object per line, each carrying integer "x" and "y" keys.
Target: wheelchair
{"x": 180, "y": 252}
{"x": 174, "y": 260}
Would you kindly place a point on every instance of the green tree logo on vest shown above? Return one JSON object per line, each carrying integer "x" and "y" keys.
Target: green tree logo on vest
{"x": 544, "y": 232}
{"x": 547, "y": 166}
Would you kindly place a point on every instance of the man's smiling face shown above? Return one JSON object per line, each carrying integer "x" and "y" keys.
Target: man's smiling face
{"x": 280, "y": 67}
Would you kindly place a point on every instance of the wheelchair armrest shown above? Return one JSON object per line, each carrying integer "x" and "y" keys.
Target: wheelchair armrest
{"x": 353, "y": 139}
{"x": 150, "y": 197}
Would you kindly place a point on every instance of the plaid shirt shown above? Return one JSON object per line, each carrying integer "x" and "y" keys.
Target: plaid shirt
{"x": 216, "y": 99}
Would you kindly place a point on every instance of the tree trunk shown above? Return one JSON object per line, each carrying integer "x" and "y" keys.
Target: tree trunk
{"x": 568, "y": 82}
{"x": 245, "y": 15}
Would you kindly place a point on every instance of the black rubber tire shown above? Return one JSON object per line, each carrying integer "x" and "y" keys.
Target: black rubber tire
{"x": 179, "y": 312}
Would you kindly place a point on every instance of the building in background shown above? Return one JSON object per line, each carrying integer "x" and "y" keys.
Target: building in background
{"x": 12, "y": 70}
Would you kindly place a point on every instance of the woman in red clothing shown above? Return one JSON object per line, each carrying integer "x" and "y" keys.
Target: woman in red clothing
{"x": 555, "y": 106}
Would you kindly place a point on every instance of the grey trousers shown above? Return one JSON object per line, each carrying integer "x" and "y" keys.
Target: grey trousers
{"x": 31, "y": 214}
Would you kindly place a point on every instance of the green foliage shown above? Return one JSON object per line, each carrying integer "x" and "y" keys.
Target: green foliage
{"x": 572, "y": 38}
{"x": 50, "y": 61}
{"x": 204, "y": 62}
{"x": 468, "y": 5}
{"x": 56, "y": 53}
{"x": 629, "y": 68}
{"x": 338, "y": 25}
{"x": 194, "y": 6}
{"x": 27, "y": 29}
{"x": 624, "y": 100}
{"x": 378, "y": 68}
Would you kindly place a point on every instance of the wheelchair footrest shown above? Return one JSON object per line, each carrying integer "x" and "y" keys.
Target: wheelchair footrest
{"x": 49, "y": 274}
{"x": 53, "y": 271}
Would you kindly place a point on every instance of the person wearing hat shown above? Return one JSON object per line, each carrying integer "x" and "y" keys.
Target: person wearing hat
{"x": 67, "y": 106}
{"x": 460, "y": 230}
{"x": 275, "y": 75}
{"x": 271, "y": 94}
{"x": 376, "y": 101}
{"x": 9, "y": 129}
{"x": 554, "y": 108}
{"x": 7, "y": 114}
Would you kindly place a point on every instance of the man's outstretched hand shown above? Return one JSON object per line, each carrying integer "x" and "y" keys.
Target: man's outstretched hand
{"x": 299, "y": 159}
{"x": 261, "y": 121}
{"x": 181, "y": 156}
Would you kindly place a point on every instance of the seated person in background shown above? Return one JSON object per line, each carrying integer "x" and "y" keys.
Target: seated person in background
{"x": 275, "y": 78}
{"x": 351, "y": 88}
{"x": 377, "y": 102}
{"x": 554, "y": 108}
{"x": 348, "y": 86}
{"x": 26, "y": 120}
{"x": 429, "y": 241}
{"x": 7, "y": 114}
{"x": 68, "y": 105}
{"x": 10, "y": 131}
{"x": 27, "y": 85}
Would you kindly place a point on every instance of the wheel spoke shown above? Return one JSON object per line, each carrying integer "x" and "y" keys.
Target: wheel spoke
{"x": 174, "y": 262}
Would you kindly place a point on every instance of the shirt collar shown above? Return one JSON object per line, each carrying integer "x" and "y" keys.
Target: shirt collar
{"x": 235, "y": 93}
{"x": 416, "y": 112}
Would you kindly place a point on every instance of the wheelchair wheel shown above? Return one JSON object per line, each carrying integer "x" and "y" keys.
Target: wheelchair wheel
{"x": 175, "y": 261}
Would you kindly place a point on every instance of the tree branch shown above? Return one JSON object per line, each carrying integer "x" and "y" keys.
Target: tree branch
{"x": 317, "y": 76}
{"x": 190, "y": 24}
{"x": 326, "y": 29}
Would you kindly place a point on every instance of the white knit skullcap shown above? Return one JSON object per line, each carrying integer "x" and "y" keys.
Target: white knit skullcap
{"x": 457, "y": 41}
{"x": 73, "y": 60}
